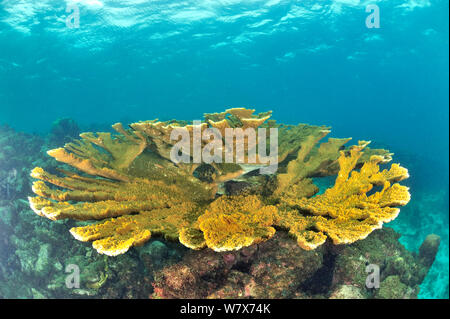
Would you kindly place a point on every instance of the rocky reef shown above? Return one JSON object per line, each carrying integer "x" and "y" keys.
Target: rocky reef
{"x": 37, "y": 255}
{"x": 281, "y": 269}
{"x": 15, "y": 164}
{"x": 415, "y": 222}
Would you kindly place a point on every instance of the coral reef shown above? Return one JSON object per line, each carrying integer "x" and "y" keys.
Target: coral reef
{"x": 137, "y": 190}
{"x": 36, "y": 254}
{"x": 39, "y": 255}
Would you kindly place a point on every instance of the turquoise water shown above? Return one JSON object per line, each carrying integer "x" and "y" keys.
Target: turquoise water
{"x": 309, "y": 61}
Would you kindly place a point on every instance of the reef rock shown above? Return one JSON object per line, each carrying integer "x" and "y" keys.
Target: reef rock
{"x": 281, "y": 269}
{"x": 428, "y": 249}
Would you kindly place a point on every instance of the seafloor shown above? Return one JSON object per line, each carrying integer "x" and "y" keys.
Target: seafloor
{"x": 35, "y": 252}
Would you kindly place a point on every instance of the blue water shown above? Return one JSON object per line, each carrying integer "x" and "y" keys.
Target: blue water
{"x": 309, "y": 61}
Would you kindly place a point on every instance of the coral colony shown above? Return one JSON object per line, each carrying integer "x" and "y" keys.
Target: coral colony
{"x": 130, "y": 183}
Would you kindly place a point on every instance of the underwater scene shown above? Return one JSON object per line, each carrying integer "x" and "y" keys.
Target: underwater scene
{"x": 224, "y": 149}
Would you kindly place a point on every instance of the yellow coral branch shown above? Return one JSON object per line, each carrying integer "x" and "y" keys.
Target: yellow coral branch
{"x": 345, "y": 212}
